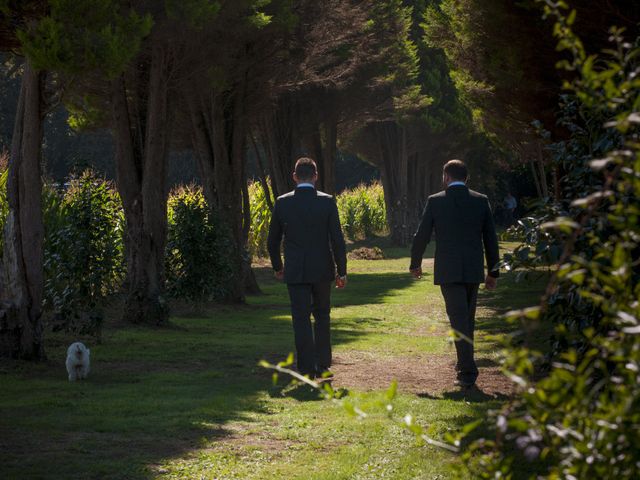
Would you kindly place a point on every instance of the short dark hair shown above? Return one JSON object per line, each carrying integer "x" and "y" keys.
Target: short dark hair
{"x": 456, "y": 169}
{"x": 305, "y": 168}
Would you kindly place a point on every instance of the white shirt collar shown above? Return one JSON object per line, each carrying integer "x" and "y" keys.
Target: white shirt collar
{"x": 457, "y": 182}
{"x": 305, "y": 185}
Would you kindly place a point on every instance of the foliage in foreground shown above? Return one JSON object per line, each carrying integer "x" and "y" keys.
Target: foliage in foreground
{"x": 582, "y": 418}
{"x": 385, "y": 404}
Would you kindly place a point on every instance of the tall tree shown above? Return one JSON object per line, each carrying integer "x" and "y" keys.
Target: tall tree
{"x": 390, "y": 139}
{"x": 22, "y": 282}
{"x": 140, "y": 125}
{"x": 129, "y": 91}
{"x": 66, "y": 38}
{"x": 21, "y": 328}
{"x": 277, "y": 80}
{"x": 220, "y": 100}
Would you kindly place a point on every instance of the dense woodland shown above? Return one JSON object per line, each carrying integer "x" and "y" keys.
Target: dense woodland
{"x": 154, "y": 94}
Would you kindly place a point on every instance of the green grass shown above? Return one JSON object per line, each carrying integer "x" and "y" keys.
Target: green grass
{"x": 189, "y": 401}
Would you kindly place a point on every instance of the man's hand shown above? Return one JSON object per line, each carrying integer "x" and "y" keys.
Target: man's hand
{"x": 341, "y": 282}
{"x": 416, "y": 272}
{"x": 490, "y": 283}
{"x": 279, "y": 274}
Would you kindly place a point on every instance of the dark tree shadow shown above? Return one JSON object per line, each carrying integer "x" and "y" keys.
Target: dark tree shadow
{"x": 486, "y": 362}
{"x": 362, "y": 288}
{"x": 512, "y": 295}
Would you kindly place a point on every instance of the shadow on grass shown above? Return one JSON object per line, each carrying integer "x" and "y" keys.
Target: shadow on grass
{"x": 512, "y": 295}
{"x": 362, "y": 289}
{"x": 152, "y": 395}
{"x": 485, "y": 362}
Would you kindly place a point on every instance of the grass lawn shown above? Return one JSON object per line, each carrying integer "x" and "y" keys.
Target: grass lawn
{"x": 189, "y": 401}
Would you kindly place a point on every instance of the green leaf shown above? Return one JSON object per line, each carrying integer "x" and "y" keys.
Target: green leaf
{"x": 392, "y": 391}
{"x": 619, "y": 256}
{"x": 350, "y": 409}
{"x": 564, "y": 224}
{"x": 471, "y": 426}
{"x": 531, "y": 313}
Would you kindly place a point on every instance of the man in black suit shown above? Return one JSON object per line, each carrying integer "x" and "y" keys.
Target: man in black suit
{"x": 463, "y": 222}
{"x": 313, "y": 247}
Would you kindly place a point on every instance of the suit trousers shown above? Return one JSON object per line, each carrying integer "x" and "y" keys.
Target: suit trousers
{"x": 313, "y": 344}
{"x": 460, "y": 300}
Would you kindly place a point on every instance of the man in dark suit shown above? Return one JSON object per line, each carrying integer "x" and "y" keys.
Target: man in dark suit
{"x": 313, "y": 247}
{"x": 463, "y": 223}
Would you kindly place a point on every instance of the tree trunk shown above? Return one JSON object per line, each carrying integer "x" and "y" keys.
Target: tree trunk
{"x": 534, "y": 174}
{"x": 264, "y": 181}
{"x": 203, "y": 147}
{"x": 21, "y": 327}
{"x": 557, "y": 191}
{"x": 330, "y": 130}
{"x": 229, "y": 134}
{"x": 282, "y": 143}
{"x": 321, "y": 141}
{"x": 141, "y": 181}
{"x": 270, "y": 141}
{"x": 393, "y": 172}
{"x": 543, "y": 176}
{"x": 220, "y": 134}
{"x": 313, "y": 143}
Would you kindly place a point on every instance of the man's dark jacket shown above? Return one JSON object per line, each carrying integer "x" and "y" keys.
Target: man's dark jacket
{"x": 463, "y": 222}
{"x": 313, "y": 241}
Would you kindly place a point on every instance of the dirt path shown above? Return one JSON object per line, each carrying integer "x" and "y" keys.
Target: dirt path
{"x": 425, "y": 375}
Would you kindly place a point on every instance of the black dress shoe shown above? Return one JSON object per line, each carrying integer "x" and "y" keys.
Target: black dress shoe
{"x": 464, "y": 385}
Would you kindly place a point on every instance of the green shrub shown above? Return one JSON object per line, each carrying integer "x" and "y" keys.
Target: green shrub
{"x": 83, "y": 251}
{"x": 84, "y": 258}
{"x": 578, "y": 416}
{"x": 198, "y": 264}
{"x": 362, "y": 211}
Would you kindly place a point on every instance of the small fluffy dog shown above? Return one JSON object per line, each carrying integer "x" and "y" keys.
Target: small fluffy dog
{"x": 78, "y": 361}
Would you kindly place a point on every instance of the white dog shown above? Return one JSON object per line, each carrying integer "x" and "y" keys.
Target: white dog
{"x": 78, "y": 361}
